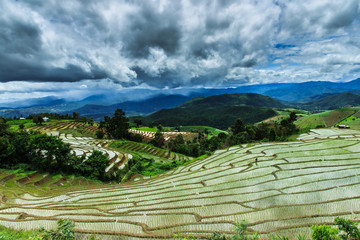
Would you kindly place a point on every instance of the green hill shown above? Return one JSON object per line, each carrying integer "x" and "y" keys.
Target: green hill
{"x": 218, "y": 111}
{"x": 335, "y": 101}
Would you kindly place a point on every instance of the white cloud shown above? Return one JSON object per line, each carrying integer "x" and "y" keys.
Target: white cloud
{"x": 175, "y": 43}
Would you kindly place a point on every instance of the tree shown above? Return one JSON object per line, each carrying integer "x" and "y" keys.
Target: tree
{"x": 348, "y": 227}
{"x": 238, "y": 127}
{"x": 292, "y": 116}
{"x": 95, "y": 165}
{"x": 272, "y": 134}
{"x": 3, "y": 128}
{"x": 84, "y": 119}
{"x": 158, "y": 140}
{"x": 138, "y": 122}
{"x": 76, "y": 115}
{"x": 38, "y": 120}
{"x": 117, "y": 126}
{"x": 48, "y": 152}
{"x": 99, "y": 134}
{"x": 91, "y": 121}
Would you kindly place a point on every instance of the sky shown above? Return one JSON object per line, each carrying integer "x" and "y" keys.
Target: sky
{"x": 73, "y": 49}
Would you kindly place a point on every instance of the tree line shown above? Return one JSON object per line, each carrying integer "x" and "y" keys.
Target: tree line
{"x": 31, "y": 150}
{"x": 118, "y": 127}
{"x": 238, "y": 134}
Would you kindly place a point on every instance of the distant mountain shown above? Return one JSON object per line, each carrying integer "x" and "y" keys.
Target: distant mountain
{"x": 299, "y": 91}
{"x": 333, "y": 101}
{"x": 34, "y": 102}
{"x": 145, "y": 101}
{"x": 235, "y": 99}
{"x": 218, "y": 111}
{"x": 133, "y": 107}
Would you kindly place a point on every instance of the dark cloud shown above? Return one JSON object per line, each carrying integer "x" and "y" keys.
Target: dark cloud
{"x": 178, "y": 43}
{"x": 15, "y": 69}
{"x": 17, "y": 37}
{"x": 167, "y": 78}
{"x": 151, "y": 29}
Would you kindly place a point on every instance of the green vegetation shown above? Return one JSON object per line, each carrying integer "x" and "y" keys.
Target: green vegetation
{"x": 280, "y": 188}
{"x": 149, "y": 167}
{"x": 334, "y": 101}
{"x": 152, "y": 129}
{"x": 80, "y": 131}
{"x": 274, "y": 131}
{"x": 15, "y": 124}
{"x": 347, "y": 230}
{"x": 218, "y": 111}
{"x": 11, "y": 234}
{"x": 117, "y": 126}
{"x": 205, "y": 129}
{"x": 64, "y": 231}
{"x": 150, "y": 161}
{"x": 325, "y": 119}
{"x": 147, "y": 151}
{"x": 35, "y": 151}
{"x": 18, "y": 181}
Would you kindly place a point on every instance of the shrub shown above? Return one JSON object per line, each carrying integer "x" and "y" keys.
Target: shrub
{"x": 64, "y": 231}
{"x": 323, "y": 232}
{"x": 348, "y": 227}
{"x": 100, "y": 134}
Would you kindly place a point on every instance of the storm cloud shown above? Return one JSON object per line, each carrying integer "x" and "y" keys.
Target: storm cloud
{"x": 172, "y": 44}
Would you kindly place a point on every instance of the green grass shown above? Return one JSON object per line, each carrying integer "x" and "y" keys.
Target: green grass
{"x": 211, "y": 130}
{"x": 325, "y": 119}
{"x": 154, "y": 129}
{"x": 353, "y": 123}
{"x": 15, "y": 124}
{"x": 11, "y": 234}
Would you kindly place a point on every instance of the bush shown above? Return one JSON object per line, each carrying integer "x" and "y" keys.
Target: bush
{"x": 64, "y": 231}
{"x": 323, "y": 232}
{"x": 95, "y": 165}
{"x": 348, "y": 227}
{"x": 100, "y": 134}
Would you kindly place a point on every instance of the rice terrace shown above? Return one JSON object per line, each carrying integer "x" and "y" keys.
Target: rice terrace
{"x": 180, "y": 120}
{"x": 279, "y": 188}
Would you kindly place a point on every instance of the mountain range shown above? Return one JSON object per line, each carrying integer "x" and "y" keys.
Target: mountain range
{"x": 308, "y": 95}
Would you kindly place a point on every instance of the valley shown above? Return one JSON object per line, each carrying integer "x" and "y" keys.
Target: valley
{"x": 280, "y": 187}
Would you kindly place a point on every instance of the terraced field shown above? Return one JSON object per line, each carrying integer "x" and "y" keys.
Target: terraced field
{"x": 15, "y": 184}
{"x": 58, "y": 126}
{"x": 167, "y": 135}
{"x": 277, "y": 187}
{"x": 154, "y": 152}
{"x": 85, "y": 146}
{"x": 325, "y": 119}
{"x": 65, "y": 125}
